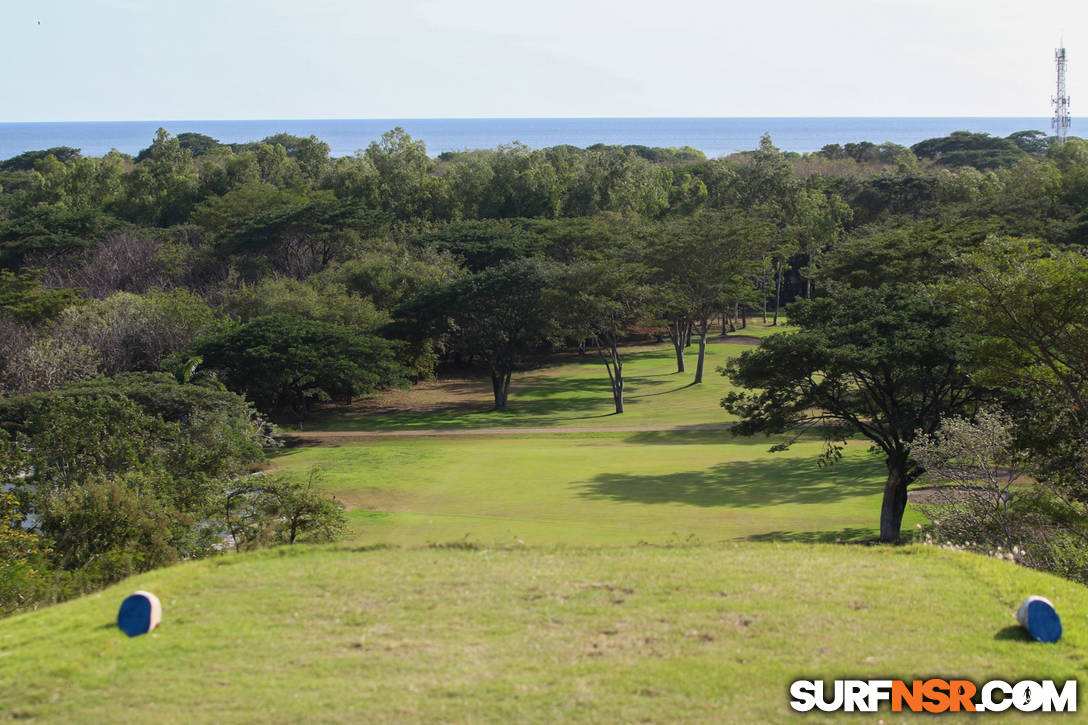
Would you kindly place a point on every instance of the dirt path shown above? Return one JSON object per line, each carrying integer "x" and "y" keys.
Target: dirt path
{"x": 349, "y": 434}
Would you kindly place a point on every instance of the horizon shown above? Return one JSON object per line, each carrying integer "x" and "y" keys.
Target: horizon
{"x": 713, "y": 136}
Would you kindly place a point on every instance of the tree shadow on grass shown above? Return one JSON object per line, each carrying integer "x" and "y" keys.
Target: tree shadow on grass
{"x": 745, "y": 484}
{"x": 663, "y": 392}
{"x": 848, "y": 535}
{"x": 699, "y": 434}
{"x": 534, "y": 401}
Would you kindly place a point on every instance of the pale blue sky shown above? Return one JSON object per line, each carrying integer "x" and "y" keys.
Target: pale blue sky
{"x": 233, "y": 59}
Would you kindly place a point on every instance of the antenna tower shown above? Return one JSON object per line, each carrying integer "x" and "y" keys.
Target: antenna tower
{"x": 1060, "y": 122}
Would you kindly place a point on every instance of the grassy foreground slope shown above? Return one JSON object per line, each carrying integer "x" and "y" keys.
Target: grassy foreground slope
{"x": 712, "y": 633}
{"x": 600, "y": 488}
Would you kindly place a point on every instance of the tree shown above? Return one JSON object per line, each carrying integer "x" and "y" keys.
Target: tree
{"x": 303, "y": 237}
{"x": 115, "y": 489}
{"x": 283, "y": 363}
{"x": 405, "y": 186}
{"x": 1030, "y": 307}
{"x": 701, "y": 265}
{"x": 600, "y": 300}
{"x": 23, "y": 299}
{"x": 499, "y": 313}
{"x": 163, "y": 187}
{"x": 267, "y": 510}
{"x": 964, "y": 148}
{"x": 50, "y": 230}
{"x": 20, "y": 551}
{"x": 885, "y": 364}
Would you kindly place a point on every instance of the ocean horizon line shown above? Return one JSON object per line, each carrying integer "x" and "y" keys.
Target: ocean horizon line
{"x": 715, "y": 136}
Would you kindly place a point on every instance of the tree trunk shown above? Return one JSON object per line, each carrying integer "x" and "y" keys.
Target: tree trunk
{"x": 777, "y": 290}
{"x": 702, "y": 351}
{"x": 617, "y": 374}
{"x": 677, "y": 330}
{"x": 895, "y": 501}
{"x": 500, "y": 386}
{"x": 614, "y": 365}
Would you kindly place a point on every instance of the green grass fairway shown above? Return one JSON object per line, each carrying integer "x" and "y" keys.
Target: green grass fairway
{"x": 617, "y": 635}
{"x": 600, "y": 488}
{"x": 574, "y": 393}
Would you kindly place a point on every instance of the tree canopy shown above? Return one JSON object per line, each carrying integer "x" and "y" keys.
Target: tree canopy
{"x": 885, "y": 364}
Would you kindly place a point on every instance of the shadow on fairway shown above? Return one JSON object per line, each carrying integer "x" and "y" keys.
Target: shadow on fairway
{"x": 534, "y": 401}
{"x": 842, "y": 536}
{"x": 740, "y": 484}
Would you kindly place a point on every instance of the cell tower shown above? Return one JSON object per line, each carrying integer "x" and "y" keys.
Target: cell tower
{"x": 1060, "y": 122}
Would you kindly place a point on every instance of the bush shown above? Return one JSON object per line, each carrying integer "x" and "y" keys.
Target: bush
{"x": 265, "y": 511}
{"x": 108, "y": 529}
{"x": 22, "y": 581}
{"x": 985, "y": 505}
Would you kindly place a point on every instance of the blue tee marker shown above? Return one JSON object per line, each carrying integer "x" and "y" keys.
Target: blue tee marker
{"x": 1038, "y": 616}
{"x": 139, "y": 614}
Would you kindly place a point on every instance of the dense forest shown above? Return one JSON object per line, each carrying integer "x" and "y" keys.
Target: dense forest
{"x": 158, "y": 311}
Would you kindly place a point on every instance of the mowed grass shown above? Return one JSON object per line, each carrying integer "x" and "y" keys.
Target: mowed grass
{"x": 574, "y": 393}
{"x": 599, "y": 488}
{"x": 537, "y": 635}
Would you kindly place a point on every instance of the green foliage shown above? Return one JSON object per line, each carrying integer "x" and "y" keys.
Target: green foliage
{"x": 23, "y": 299}
{"x": 224, "y": 213}
{"x": 132, "y": 332}
{"x": 300, "y": 238}
{"x": 500, "y": 314}
{"x": 283, "y": 363}
{"x": 26, "y": 160}
{"x": 390, "y": 275}
{"x": 885, "y": 363}
{"x": 106, "y": 529}
{"x": 21, "y": 552}
{"x": 480, "y": 244}
{"x": 197, "y": 144}
{"x": 1035, "y": 143}
{"x": 113, "y": 488}
{"x": 1030, "y": 305}
{"x": 963, "y": 148}
{"x": 50, "y": 229}
{"x": 267, "y": 511}
{"x": 317, "y": 298}
{"x": 163, "y": 187}
{"x": 402, "y": 167}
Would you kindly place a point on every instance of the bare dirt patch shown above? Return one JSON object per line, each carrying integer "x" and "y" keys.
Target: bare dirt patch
{"x": 429, "y": 396}
{"x": 943, "y": 495}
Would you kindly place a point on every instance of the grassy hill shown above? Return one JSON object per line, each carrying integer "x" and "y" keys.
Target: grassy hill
{"x": 533, "y": 634}
{"x": 607, "y": 576}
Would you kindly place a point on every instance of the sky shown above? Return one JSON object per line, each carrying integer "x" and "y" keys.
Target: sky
{"x": 116, "y": 60}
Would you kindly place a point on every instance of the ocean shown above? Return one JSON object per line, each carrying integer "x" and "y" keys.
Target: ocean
{"x": 713, "y": 136}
